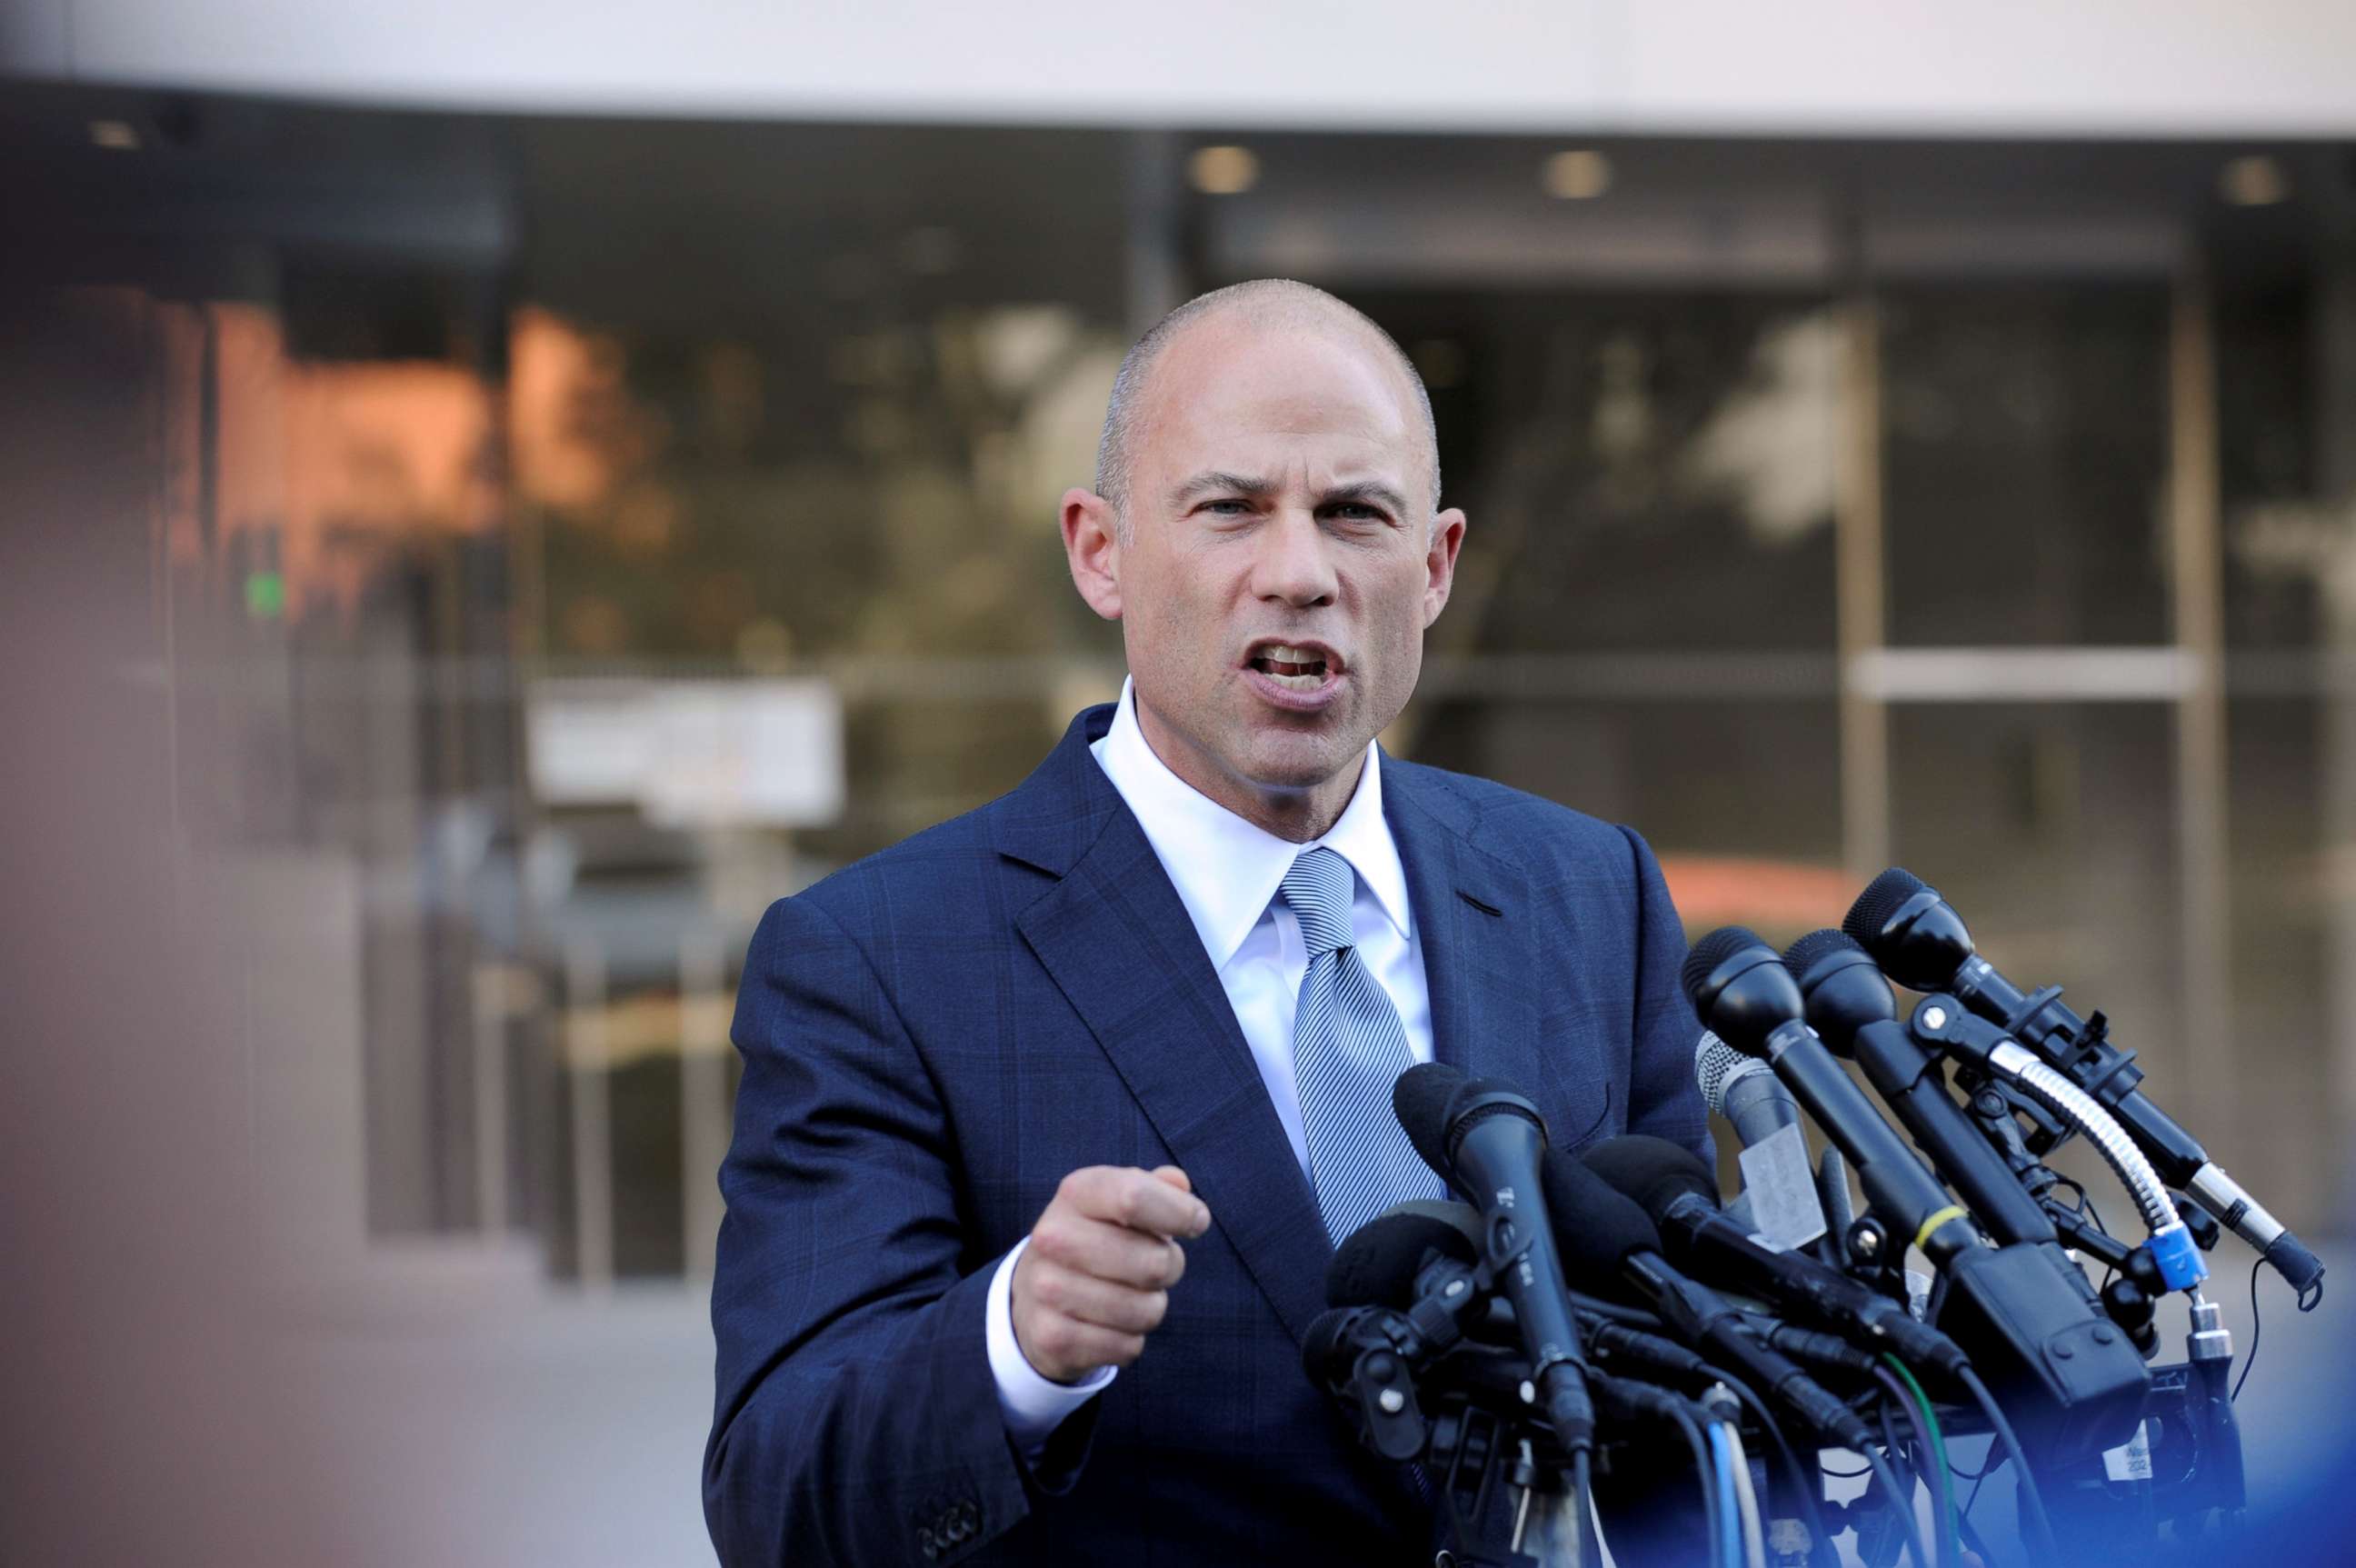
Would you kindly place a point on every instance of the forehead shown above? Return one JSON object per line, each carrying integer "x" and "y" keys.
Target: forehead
{"x": 1232, "y": 391}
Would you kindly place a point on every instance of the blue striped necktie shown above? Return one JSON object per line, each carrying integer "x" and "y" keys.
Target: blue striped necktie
{"x": 1348, "y": 1048}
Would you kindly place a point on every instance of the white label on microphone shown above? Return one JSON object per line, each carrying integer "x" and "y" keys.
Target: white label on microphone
{"x": 2131, "y": 1460}
{"x": 1783, "y": 1190}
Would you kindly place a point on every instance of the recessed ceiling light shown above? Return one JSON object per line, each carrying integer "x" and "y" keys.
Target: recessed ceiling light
{"x": 1223, "y": 171}
{"x": 1576, "y": 176}
{"x": 2256, "y": 180}
{"x": 120, "y": 135}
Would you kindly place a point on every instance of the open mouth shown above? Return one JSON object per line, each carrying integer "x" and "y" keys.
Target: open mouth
{"x": 1294, "y": 667}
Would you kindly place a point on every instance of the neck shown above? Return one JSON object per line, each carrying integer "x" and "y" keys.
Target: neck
{"x": 1294, "y": 814}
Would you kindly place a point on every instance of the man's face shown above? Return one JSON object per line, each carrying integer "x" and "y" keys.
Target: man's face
{"x": 1282, "y": 561}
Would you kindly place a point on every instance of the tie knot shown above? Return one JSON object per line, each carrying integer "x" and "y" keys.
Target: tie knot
{"x": 1319, "y": 887}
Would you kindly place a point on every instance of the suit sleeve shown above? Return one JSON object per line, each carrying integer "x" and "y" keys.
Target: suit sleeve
{"x": 1663, "y": 1098}
{"x": 855, "y": 1418}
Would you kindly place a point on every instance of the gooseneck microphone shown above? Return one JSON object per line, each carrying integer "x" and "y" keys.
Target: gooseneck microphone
{"x": 2032, "y": 1332}
{"x": 1851, "y": 1004}
{"x": 1921, "y": 943}
{"x": 1489, "y": 1142}
{"x": 1680, "y": 1193}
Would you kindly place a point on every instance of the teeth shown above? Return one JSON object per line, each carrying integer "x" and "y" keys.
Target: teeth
{"x": 1294, "y": 669}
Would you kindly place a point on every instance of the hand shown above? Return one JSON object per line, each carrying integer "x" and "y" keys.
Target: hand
{"x": 1096, "y": 1279}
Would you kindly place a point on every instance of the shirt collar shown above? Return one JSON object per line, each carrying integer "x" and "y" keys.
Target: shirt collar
{"x": 1227, "y": 870}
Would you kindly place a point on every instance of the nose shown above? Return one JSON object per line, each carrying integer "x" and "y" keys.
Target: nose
{"x": 1293, "y": 564}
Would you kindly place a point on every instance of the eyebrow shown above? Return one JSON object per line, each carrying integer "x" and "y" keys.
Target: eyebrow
{"x": 1204, "y": 484}
{"x": 1366, "y": 490}
{"x": 1239, "y": 484}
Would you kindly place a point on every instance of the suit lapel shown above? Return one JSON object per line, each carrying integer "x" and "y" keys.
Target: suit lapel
{"x": 1471, "y": 916}
{"x": 1114, "y": 937}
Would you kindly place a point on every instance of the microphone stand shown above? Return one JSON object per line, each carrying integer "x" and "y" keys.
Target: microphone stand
{"x": 1429, "y": 1384}
{"x": 1466, "y": 1410}
{"x": 1484, "y": 1435}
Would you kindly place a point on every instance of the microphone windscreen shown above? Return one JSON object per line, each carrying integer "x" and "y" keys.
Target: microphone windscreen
{"x": 1376, "y": 1264}
{"x": 1594, "y": 1226}
{"x": 1419, "y": 1099}
{"x": 1801, "y": 955}
{"x": 1879, "y": 902}
{"x": 1714, "y": 949}
{"x": 1321, "y": 1348}
{"x": 1653, "y": 1172}
{"x": 1464, "y": 1111}
{"x": 1844, "y": 984}
{"x": 1717, "y": 1066}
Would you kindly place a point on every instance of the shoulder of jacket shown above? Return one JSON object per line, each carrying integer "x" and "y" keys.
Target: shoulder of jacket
{"x": 1496, "y": 809}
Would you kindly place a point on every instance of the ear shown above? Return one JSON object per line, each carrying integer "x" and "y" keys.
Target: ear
{"x": 1440, "y": 562}
{"x": 1092, "y": 550}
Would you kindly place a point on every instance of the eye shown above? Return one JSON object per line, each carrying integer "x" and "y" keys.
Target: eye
{"x": 1355, "y": 511}
{"x": 1228, "y": 507}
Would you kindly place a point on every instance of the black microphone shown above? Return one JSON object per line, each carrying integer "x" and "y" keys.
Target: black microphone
{"x": 1603, "y": 1234}
{"x": 2028, "y": 1328}
{"x": 1920, "y": 940}
{"x": 1743, "y": 993}
{"x": 1677, "y": 1191}
{"x": 1488, "y": 1142}
{"x": 1384, "y": 1262}
{"x": 1853, "y": 1011}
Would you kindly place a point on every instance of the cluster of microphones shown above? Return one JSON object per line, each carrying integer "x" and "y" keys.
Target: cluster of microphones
{"x": 1593, "y": 1336}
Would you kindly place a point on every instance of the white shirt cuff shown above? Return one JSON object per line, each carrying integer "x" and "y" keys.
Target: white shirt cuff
{"x": 1033, "y": 1406}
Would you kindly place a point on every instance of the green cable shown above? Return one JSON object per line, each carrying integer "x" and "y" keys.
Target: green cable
{"x": 1950, "y": 1545}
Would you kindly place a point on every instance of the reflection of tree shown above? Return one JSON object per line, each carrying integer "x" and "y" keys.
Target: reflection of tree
{"x": 687, "y": 523}
{"x": 329, "y": 475}
{"x": 1647, "y": 463}
{"x": 2309, "y": 541}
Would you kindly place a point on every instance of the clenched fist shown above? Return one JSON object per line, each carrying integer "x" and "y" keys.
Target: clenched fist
{"x": 1096, "y": 1279}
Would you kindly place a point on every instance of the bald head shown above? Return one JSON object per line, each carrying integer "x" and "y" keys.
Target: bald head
{"x": 1266, "y": 304}
{"x": 1265, "y": 530}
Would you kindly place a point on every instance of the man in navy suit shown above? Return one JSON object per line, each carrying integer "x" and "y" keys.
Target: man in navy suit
{"x": 1036, "y": 1159}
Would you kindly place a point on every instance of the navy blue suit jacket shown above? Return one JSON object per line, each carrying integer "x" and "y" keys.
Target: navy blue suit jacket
{"x": 935, "y": 1036}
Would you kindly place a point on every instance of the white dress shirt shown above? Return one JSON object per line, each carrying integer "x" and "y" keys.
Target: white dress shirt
{"x": 1227, "y": 872}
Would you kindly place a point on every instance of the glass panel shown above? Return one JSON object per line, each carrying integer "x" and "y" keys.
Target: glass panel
{"x": 1641, "y": 472}
{"x": 2025, "y": 457}
{"x": 547, "y": 617}
{"x": 1739, "y": 800}
{"x": 2287, "y": 545}
{"x": 2282, "y": 936}
{"x": 790, "y": 457}
{"x": 2051, "y": 828}
{"x": 2278, "y": 546}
